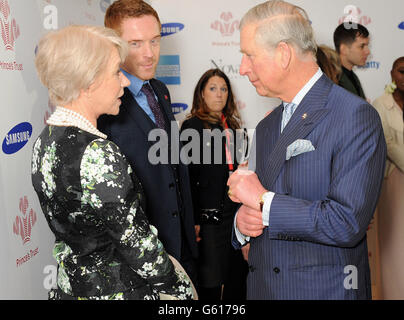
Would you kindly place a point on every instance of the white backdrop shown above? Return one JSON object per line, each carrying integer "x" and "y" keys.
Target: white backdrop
{"x": 201, "y": 35}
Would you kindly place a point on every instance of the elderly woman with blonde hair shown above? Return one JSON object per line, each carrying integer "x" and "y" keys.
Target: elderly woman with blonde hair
{"x": 91, "y": 198}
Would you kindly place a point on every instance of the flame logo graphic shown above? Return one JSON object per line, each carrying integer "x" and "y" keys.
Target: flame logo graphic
{"x": 23, "y": 224}
{"x": 226, "y": 27}
{"x": 10, "y": 30}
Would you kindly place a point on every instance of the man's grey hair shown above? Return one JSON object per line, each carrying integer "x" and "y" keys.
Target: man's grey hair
{"x": 280, "y": 21}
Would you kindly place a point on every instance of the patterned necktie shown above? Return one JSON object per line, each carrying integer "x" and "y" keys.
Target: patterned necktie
{"x": 287, "y": 114}
{"x": 154, "y": 106}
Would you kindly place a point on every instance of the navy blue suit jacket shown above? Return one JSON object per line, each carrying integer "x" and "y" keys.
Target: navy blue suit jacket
{"x": 166, "y": 186}
{"x": 315, "y": 245}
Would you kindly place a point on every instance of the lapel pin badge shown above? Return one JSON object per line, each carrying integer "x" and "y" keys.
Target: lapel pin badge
{"x": 304, "y": 116}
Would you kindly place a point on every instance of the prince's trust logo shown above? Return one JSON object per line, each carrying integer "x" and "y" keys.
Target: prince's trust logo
{"x": 25, "y": 221}
{"x": 10, "y": 30}
{"x": 227, "y": 26}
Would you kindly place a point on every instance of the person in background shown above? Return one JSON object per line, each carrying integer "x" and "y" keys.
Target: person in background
{"x": 391, "y": 204}
{"x": 92, "y": 200}
{"x": 222, "y": 270}
{"x": 352, "y": 45}
{"x": 315, "y": 168}
{"x": 329, "y": 63}
{"x": 146, "y": 106}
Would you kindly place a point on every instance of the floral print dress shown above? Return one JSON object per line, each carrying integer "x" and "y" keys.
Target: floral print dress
{"x": 94, "y": 204}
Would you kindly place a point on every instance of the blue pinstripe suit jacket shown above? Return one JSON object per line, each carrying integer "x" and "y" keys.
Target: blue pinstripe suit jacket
{"x": 324, "y": 199}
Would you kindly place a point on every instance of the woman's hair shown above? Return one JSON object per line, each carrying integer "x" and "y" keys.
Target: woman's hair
{"x": 396, "y": 62}
{"x": 201, "y": 110}
{"x": 329, "y": 62}
{"x": 124, "y": 9}
{"x": 280, "y": 21}
{"x": 71, "y": 59}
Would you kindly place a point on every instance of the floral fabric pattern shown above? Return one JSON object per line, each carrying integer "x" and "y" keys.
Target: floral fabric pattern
{"x": 94, "y": 204}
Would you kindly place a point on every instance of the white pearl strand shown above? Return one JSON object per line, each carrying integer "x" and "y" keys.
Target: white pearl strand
{"x": 65, "y": 118}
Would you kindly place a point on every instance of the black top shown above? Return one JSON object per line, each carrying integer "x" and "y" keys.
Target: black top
{"x": 209, "y": 170}
{"x": 350, "y": 81}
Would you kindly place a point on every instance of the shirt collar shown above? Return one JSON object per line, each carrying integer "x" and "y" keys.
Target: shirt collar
{"x": 136, "y": 84}
{"x": 302, "y": 93}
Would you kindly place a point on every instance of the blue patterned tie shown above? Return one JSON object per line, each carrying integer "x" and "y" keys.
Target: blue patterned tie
{"x": 288, "y": 110}
{"x": 154, "y": 106}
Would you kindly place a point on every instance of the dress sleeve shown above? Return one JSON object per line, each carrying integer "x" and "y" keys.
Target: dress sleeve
{"x": 395, "y": 151}
{"x": 112, "y": 189}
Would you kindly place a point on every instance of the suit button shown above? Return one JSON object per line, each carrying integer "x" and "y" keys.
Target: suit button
{"x": 175, "y": 214}
{"x": 252, "y": 268}
{"x": 277, "y": 270}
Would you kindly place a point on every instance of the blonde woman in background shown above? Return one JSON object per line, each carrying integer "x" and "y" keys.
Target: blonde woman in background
{"x": 329, "y": 62}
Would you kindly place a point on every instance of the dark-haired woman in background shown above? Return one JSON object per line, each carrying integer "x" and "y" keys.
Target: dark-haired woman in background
{"x": 222, "y": 270}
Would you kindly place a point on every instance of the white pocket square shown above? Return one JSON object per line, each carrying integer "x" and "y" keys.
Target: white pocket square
{"x": 298, "y": 147}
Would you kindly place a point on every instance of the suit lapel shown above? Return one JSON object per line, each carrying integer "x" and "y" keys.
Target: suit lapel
{"x": 310, "y": 112}
{"x": 270, "y": 136}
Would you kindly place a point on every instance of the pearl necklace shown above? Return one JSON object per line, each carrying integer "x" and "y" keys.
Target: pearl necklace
{"x": 65, "y": 118}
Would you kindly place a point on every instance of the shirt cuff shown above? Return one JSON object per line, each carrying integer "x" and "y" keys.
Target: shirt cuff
{"x": 267, "y": 197}
{"x": 240, "y": 237}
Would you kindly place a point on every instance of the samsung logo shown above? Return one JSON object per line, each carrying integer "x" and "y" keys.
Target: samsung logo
{"x": 171, "y": 28}
{"x": 179, "y": 107}
{"x": 17, "y": 138}
{"x": 401, "y": 25}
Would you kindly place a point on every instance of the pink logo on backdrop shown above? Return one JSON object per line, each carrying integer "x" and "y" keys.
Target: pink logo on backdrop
{"x": 354, "y": 15}
{"x": 227, "y": 25}
{"x": 10, "y": 30}
{"x": 25, "y": 221}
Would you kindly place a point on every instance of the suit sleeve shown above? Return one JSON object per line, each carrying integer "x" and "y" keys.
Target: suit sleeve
{"x": 342, "y": 218}
{"x": 194, "y": 171}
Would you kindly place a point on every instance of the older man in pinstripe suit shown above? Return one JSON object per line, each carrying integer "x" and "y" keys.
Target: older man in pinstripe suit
{"x": 318, "y": 160}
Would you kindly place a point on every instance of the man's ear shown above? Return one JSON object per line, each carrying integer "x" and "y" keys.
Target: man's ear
{"x": 343, "y": 49}
{"x": 285, "y": 54}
